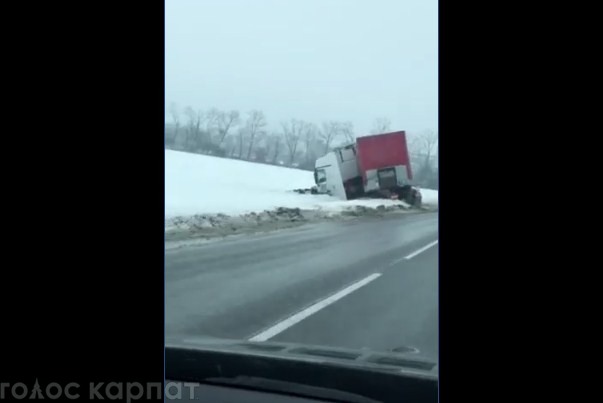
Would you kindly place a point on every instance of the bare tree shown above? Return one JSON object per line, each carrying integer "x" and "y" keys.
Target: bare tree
{"x": 424, "y": 145}
{"x": 224, "y": 122}
{"x": 309, "y": 135}
{"x": 293, "y": 132}
{"x": 318, "y": 146}
{"x": 330, "y": 130}
{"x": 381, "y": 125}
{"x": 230, "y": 146}
{"x": 347, "y": 131}
{"x": 241, "y": 135}
{"x": 256, "y": 121}
{"x": 175, "y": 115}
{"x": 428, "y": 142}
{"x": 211, "y": 122}
{"x": 273, "y": 144}
{"x": 193, "y": 128}
{"x": 261, "y": 152}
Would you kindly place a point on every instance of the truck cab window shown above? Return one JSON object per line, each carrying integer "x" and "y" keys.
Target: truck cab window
{"x": 320, "y": 176}
{"x": 347, "y": 154}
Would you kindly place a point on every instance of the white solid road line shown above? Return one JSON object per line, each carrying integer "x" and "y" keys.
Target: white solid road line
{"x": 298, "y": 317}
{"x": 423, "y": 249}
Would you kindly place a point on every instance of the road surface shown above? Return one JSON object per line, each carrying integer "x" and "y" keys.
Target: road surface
{"x": 370, "y": 283}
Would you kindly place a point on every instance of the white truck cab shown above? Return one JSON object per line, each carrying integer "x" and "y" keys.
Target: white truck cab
{"x": 337, "y": 172}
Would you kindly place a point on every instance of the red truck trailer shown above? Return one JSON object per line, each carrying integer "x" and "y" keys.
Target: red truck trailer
{"x": 381, "y": 168}
{"x": 383, "y": 161}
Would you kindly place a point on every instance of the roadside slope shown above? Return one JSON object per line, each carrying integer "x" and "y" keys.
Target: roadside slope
{"x": 208, "y": 197}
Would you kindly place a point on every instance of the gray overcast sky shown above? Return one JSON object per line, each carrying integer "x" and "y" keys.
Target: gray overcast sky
{"x": 306, "y": 59}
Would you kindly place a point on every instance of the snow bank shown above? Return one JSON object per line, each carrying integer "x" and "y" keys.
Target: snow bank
{"x": 429, "y": 197}
{"x": 339, "y": 205}
{"x": 200, "y": 184}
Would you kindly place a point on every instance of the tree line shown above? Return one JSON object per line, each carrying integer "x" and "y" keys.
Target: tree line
{"x": 297, "y": 143}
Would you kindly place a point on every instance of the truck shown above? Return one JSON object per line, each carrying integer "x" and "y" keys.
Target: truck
{"x": 372, "y": 166}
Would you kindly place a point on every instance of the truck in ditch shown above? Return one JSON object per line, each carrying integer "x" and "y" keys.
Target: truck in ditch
{"x": 373, "y": 166}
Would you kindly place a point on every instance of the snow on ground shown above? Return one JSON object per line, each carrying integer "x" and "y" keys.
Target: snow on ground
{"x": 200, "y": 184}
{"x": 429, "y": 197}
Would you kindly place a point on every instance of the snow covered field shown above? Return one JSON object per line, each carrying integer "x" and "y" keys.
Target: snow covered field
{"x": 199, "y": 184}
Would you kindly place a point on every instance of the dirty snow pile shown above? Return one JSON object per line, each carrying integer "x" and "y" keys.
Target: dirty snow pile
{"x": 199, "y": 184}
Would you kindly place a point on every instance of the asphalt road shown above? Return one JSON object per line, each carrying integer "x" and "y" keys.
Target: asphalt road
{"x": 371, "y": 283}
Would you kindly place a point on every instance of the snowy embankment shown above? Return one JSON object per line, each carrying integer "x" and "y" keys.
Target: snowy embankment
{"x": 430, "y": 197}
{"x": 209, "y": 193}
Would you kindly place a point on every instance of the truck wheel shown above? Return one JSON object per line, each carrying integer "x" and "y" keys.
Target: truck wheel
{"x": 405, "y": 193}
{"x": 416, "y": 199}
